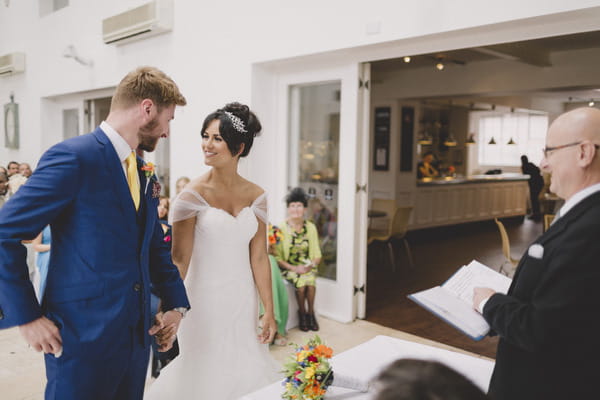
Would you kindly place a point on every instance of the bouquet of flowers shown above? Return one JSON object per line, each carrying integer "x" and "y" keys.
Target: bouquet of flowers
{"x": 275, "y": 234}
{"x": 308, "y": 373}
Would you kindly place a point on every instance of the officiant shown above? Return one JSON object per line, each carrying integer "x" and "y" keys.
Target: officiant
{"x": 548, "y": 322}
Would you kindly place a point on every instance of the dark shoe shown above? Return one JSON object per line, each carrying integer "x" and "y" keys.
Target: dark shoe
{"x": 312, "y": 322}
{"x": 303, "y": 321}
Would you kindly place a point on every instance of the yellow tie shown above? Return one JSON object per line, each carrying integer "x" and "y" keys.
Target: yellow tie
{"x": 132, "y": 179}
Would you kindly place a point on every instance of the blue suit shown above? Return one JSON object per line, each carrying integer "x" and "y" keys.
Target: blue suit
{"x": 104, "y": 257}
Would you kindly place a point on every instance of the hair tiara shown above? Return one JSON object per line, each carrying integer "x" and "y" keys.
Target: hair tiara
{"x": 236, "y": 121}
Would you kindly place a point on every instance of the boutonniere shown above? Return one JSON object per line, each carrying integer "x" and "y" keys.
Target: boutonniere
{"x": 155, "y": 189}
{"x": 148, "y": 169}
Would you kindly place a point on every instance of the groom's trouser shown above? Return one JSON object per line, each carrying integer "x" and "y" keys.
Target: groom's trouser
{"x": 119, "y": 376}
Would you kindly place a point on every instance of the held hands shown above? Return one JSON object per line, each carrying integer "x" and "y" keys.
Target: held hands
{"x": 165, "y": 329}
{"x": 269, "y": 329}
{"x": 302, "y": 269}
{"x": 42, "y": 335}
{"x": 480, "y": 294}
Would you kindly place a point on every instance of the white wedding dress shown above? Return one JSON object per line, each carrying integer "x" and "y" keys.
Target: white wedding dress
{"x": 221, "y": 357}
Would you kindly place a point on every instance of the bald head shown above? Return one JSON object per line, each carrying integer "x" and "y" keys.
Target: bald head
{"x": 572, "y": 155}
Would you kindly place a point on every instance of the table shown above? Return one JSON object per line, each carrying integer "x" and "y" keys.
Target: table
{"x": 366, "y": 360}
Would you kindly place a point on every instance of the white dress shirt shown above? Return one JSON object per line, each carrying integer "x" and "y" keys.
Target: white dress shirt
{"x": 121, "y": 147}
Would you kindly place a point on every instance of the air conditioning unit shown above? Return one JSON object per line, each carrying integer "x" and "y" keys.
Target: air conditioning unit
{"x": 138, "y": 23}
{"x": 12, "y": 63}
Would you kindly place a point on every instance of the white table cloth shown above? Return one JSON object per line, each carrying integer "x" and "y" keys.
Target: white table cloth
{"x": 366, "y": 360}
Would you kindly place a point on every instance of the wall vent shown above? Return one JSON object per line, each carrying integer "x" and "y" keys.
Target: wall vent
{"x": 138, "y": 23}
{"x": 12, "y": 63}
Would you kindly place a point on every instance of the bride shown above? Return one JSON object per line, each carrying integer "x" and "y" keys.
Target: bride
{"x": 219, "y": 245}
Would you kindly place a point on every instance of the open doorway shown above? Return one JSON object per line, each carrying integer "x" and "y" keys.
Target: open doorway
{"x": 521, "y": 86}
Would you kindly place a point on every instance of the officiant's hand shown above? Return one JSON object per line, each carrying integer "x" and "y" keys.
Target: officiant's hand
{"x": 480, "y": 294}
{"x": 42, "y": 335}
{"x": 165, "y": 329}
{"x": 269, "y": 328}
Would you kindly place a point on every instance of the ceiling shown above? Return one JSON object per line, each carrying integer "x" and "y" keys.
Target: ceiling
{"x": 533, "y": 52}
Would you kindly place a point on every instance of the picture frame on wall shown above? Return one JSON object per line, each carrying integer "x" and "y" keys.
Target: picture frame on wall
{"x": 381, "y": 145}
{"x": 11, "y": 125}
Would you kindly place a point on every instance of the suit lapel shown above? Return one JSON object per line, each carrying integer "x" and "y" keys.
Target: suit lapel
{"x": 146, "y": 197}
{"x": 118, "y": 182}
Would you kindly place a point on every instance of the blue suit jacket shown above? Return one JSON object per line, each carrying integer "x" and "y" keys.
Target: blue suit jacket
{"x": 104, "y": 253}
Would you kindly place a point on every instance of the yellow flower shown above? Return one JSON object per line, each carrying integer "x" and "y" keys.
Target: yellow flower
{"x": 310, "y": 372}
{"x": 301, "y": 356}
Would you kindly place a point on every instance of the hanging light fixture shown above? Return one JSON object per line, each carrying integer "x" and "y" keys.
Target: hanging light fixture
{"x": 424, "y": 139}
{"x": 492, "y": 141}
{"x": 511, "y": 141}
{"x": 450, "y": 141}
{"x": 471, "y": 139}
{"x": 591, "y": 103}
{"x": 406, "y": 59}
{"x": 439, "y": 65}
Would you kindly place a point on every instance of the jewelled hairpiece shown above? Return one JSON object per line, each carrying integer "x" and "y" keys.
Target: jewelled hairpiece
{"x": 237, "y": 123}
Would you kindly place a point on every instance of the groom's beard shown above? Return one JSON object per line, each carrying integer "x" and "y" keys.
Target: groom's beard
{"x": 147, "y": 141}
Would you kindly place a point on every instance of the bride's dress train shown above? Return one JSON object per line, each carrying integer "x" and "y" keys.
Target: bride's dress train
{"x": 221, "y": 357}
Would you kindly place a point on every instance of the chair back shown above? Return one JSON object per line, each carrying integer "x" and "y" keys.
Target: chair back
{"x": 389, "y": 207}
{"x": 399, "y": 225}
{"x": 548, "y": 218}
{"x": 505, "y": 241}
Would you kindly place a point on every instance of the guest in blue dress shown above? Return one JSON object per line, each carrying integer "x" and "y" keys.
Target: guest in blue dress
{"x": 41, "y": 244}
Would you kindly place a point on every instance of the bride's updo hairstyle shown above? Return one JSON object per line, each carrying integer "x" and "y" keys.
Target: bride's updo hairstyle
{"x": 297, "y": 195}
{"x": 238, "y": 125}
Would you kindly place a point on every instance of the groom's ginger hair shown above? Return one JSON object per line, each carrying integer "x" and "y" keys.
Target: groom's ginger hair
{"x": 146, "y": 83}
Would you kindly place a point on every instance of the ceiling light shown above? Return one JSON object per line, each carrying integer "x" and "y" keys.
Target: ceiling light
{"x": 471, "y": 139}
{"x": 511, "y": 141}
{"x": 406, "y": 59}
{"x": 492, "y": 141}
{"x": 591, "y": 103}
{"x": 439, "y": 66}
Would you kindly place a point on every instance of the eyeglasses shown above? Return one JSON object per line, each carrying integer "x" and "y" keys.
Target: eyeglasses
{"x": 546, "y": 150}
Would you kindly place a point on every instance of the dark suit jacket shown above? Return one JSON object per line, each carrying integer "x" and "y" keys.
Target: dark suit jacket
{"x": 549, "y": 321}
{"x": 104, "y": 253}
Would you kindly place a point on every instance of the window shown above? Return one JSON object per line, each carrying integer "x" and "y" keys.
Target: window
{"x": 527, "y": 132}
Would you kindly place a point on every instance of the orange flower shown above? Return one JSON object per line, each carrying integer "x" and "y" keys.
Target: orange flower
{"x": 148, "y": 169}
{"x": 323, "y": 351}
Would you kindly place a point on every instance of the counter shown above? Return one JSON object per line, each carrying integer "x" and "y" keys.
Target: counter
{"x": 449, "y": 201}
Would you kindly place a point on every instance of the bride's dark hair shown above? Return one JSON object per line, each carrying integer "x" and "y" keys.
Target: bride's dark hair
{"x": 238, "y": 126}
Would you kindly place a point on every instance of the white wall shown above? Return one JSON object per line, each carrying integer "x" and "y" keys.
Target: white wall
{"x": 213, "y": 46}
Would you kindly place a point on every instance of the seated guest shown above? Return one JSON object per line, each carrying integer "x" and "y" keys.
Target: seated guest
{"x": 280, "y": 297}
{"x": 15, "y": 181}
{"x": 411, "y": 379}
{"x": 427, "y": 168}
{"x": 180, "y": 184}
{"x": 299, "y": 255}
{"x": 12, "y": 168}
{"x": 161, "y": 359}
{"x": 3, "y": 187}
{"x": 25, "y": 170}
{"x": 41, "y": 244}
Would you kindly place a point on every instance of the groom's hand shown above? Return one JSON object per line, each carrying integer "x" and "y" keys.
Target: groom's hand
{"x": 42, "y": 335}
{"x": 165, "y": 329}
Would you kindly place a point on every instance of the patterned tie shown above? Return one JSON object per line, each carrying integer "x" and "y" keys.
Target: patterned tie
{"x": 132, "y": 180}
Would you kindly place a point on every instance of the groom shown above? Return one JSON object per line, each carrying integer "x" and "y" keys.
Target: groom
{"x": 100, "y": 201}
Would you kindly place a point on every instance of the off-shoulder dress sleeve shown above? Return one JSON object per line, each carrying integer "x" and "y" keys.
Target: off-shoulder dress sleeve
{"x": 186, "y": 205}
{"x": 259, "y": 207}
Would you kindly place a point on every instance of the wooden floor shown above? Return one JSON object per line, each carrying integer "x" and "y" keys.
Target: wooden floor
{"x": 437, "y": 254}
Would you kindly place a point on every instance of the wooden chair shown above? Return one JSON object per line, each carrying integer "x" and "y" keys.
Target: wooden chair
{"x": 548, "y": 218}
{"x": 506, "y": 251}
{"x": 395, "y": 230}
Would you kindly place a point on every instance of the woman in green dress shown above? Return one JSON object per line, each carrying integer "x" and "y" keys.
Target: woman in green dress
{"x": 298, "y": 256}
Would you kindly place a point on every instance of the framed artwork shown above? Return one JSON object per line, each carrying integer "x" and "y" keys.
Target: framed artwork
{"x": 381, "y": 145}
{"x": 11, "y": 125}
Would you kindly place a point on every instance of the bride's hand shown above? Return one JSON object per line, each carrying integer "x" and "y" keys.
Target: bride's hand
{"x": 269, "y": 329}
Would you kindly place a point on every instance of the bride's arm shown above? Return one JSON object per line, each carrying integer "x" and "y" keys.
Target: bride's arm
{"x": 183, "y": 242}
{"x": 261, "y": 269}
